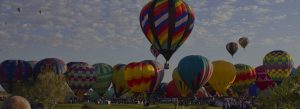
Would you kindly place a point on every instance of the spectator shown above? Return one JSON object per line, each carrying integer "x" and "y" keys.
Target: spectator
{"x": 16, "y": 102}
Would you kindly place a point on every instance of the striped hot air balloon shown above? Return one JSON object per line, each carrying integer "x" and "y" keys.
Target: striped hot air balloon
{"x": 245, "y": 76}
{"x": 80, "y": 77}
{"x": 50, "y": 64}
{"x": 139, "y": 75}
{"x": 104, "y": 76}
{"x": 195, "y": 71}
{"x": 278, "y": 65}
{"x": 167, "y": 24}
{"x": 14, "y": 74}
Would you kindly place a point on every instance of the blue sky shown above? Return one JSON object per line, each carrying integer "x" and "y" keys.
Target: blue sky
{"x": 108, "y": 31}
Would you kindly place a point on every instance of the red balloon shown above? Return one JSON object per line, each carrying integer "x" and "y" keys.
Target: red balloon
{"x": 263, "y": 81}
{"x": 171, "y": 90}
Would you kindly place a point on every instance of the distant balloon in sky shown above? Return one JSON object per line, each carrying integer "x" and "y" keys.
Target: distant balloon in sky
{"x": 278, "y": 65}
{"x": 195, "y": 71}
{"x": 19, "y": 10}
{"x": 223, "y": 75}
{"x": 167, "y": 24}
{"x": 154, "y": 52}
{"x": 232, "y": 48}
{"x": 243, "y": 41}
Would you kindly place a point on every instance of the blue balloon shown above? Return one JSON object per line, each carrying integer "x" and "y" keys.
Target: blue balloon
{"x": 195, "y": 71}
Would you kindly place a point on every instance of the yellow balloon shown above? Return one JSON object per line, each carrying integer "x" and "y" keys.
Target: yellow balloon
{"x": 223, "y": 75}
{"x": 182, "y": 88}
{"x": 118, "y": 80}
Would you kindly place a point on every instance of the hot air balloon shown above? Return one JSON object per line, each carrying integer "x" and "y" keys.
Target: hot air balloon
{"x": 263, "y": 81}
{"x": 243, "y": 41}
{"x": 245, "y": 76}
{"x": 103, "y": 73}
{"x": 180, "y": 85}
{"x": 154, "y": 52}
{"x": 118, "y": 80}
{"x": 223, "y": 75}
{"x": 138, "y": 76}
{"x": 49, "y": 64}
{"x": 232, "y": 48}
{"x": 167, "y": 24}
{"x": 19, "y": 10}
{"x": 171, "y": 90}
{"x": 32, "y": 63}
{"x": 278, "y": 65}
{"x": 195, "y": 71}
{"x": 14, "y": 74}
{"x": 80, "y": 77}
{"x": 159, "y": 74}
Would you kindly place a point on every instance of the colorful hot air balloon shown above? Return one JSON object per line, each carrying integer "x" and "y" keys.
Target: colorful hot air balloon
{"x": 118, "y": 80}
{"x": 195, "y": 71}
{"x": 167, "y": 24}
{"x": 243, "y": 41}
{"x": 181, "y": 86}
{"x": 104, "y": 76}
{"x": 158, "y": 77}
{"x": 232, "y": 48}
{"x": 14, "y": 73}
{"x": 139, "y": 75}
{"x": 245, "y": 76}
{"x": 223, "y": 75}
{"x": 49, "y": 64}
{"x": 171, "y": 90}
{"x": 154, "y": 52}
{"x": 80, "y": 77}
{"x": 263, "y": 81}
{"x": 278, "y": 65}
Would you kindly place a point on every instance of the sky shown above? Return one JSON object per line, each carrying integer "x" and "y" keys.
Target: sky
{"x": 108, "y": 31}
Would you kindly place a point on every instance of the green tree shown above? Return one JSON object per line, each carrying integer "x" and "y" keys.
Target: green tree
{"x": 286, "y": 95}
{"x": 49, "y": 89}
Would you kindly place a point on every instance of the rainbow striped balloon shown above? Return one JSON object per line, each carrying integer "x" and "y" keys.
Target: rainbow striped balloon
{"x": 167, "y": 24}
{"x": 278, "y": 65}
{"x": 245, "y": 76}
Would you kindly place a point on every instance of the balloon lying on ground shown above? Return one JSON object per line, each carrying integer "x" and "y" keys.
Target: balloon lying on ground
{"x": 278, "y": 65}
{"x": 54, "y": 65}
{"x": 14, "y": 74}
{"x": 263, "y": 81}
{"x": 195, "y": 71}
{"x": 167, "y": 24}
{"x": 224, "y": 74}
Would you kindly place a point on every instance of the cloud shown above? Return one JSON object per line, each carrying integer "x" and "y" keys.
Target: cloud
{"x": 268, "y": 2}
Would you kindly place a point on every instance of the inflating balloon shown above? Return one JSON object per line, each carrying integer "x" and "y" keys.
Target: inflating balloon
{"x": 180, "y": 85}
{"x": 263, "y": 81}
{"x": 118, "y": 80}
{"x": 54, "y": 65}
{"x": 223, "y": 75}
{"x": 139, "y": 75}
{"x": 167, "y": 24}
{"x": 158, "y": 77}
{"x": 172, "y": 91}
{"x": 14, "y": 73}
{"x": 278, "y": 65}
{"x": 104, "y": 76}
{"x": 232, "y": 48}
{"x": 195, "y": 71}
{"x": 245, "y": 76}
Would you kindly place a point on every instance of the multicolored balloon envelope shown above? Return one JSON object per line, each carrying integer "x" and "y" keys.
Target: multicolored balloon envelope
{"x": 263, "y": 81}
{"x": 50, "y": 64}
{"x": 103, "y": 73}
{"x": 180, "y": 85}
{"x": 245, "y": 76}
{"x": 80, "y": 77}
{"x": 278, "y": 65}
{"x": 118, "y": 80}
{"x": 139, "y": 76}
{"x": 158, "y": 77}
{"x": 172, "y": 91}
{"x": 14, "y": 74}
{"x": 223, "y": 75}
{"x": 167, "y": 24}
{"x": 195, "y": 71}
{"x": 154, "y": 51}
